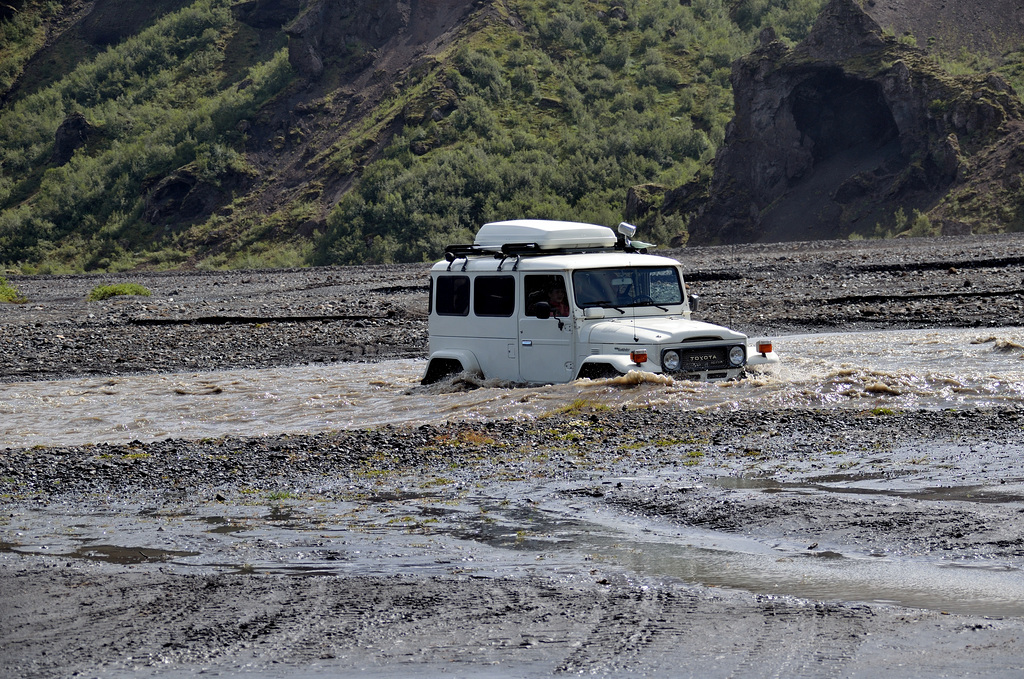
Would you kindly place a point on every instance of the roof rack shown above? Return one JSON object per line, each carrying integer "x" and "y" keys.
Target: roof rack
{"x": 453, "y": 252}
{"x": 463, "y": 251}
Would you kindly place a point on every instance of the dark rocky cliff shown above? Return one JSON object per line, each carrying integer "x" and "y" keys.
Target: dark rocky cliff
{"x": 835, "y": 135}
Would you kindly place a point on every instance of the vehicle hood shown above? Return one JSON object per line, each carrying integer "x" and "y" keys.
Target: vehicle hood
{"x": 653, "y": 330}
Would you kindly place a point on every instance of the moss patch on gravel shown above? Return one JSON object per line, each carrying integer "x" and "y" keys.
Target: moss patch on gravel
{"x": 102, "y": 292}
{"x": 9, "y": 294}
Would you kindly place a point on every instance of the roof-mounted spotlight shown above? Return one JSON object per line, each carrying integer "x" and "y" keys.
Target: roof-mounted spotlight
{"x": 627, "y": 230}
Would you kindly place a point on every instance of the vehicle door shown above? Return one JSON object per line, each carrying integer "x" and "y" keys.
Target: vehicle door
{"x": 545, "y": 330}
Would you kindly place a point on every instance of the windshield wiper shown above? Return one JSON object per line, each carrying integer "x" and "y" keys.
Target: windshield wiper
{"x": 606, "y": 304}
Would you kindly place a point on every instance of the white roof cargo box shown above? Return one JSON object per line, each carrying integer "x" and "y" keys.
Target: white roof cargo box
{"x": 547, "y": 234}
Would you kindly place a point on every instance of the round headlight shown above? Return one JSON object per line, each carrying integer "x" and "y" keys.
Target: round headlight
{"x": 737, "y": 355}
{"x": 670, "y": 360}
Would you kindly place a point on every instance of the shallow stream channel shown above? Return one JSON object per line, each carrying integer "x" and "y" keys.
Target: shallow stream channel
{"x": 860, "y": 527}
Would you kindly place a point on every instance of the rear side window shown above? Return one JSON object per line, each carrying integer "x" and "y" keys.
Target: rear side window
{"x": 452, "y": 295}
{"x": 494, "y": 295}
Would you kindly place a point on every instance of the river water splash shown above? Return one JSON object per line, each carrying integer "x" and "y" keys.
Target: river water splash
{"x": 921, "y": 369}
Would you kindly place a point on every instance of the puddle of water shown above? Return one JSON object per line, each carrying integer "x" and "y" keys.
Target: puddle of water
{"x": 905, "y": 369}
{"x": 223, "y": 525}
{"x": 127, "y": 555}
{"x": 114, "y": 554}
{"x": 737, "y": 562}
{"x": 831, "y": 576}
{"x": 884, "y": 484}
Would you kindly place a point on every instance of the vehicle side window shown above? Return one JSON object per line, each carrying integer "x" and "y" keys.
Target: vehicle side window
{"x": 452, "y": 295}
{"x": 545, "y": 288}
{"x": 494, "y": 295}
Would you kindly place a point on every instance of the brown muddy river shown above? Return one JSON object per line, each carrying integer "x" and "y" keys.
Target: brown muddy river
{"x": 904, "y": 369}
{"x": 509, "y": 528}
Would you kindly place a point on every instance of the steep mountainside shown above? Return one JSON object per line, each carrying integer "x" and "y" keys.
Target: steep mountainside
{"x": 992, "y": 27}
{"x": 851, "y": 131}
{"x": 244, "y": 133}
{"x": 187, "y": 131}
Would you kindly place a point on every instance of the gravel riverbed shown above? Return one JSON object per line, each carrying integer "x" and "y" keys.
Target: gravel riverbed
{"x": 216, "y": 320}
{"x": 502, "y": 548}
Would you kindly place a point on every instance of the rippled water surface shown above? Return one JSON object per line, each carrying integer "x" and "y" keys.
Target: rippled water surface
{"x": 902, "y": 369}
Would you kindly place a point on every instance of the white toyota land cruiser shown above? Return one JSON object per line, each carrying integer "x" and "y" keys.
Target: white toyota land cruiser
{"x": 541, "y": 301}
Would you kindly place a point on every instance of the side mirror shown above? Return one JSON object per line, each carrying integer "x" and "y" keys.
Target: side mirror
{"x": 694, "y": 301}
{"x": 542, "y": 310}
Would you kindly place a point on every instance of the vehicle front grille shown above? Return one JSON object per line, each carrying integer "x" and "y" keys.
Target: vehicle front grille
{"x": 708, "y": 358}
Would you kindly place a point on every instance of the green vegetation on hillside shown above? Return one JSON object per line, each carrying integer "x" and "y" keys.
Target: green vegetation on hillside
{"x": 156, "y": 102}
{"x": 965, "y": 62}
{"x": 543, "y": 108}
{"x": 558, "y": 121}
{"x": 22, "y": 33}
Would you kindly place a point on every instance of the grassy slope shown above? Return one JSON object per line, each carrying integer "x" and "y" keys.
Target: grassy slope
{"x": 558, "y": 119}
{"x": 560, "y": 107}
{"x": 160, "y": 100}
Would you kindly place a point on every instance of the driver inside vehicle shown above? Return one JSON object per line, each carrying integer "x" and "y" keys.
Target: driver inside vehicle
{"x": 556, "y": 298}
{"x": 549, "y": 290}
{"x": 624, "y": 290}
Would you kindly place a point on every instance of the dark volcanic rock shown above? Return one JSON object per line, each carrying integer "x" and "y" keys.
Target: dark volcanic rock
{"x": 108, "y": 22}
{"x": 992, "y": 27}
{"x": 267, "y": 13}
{"x": 833, "y": 136}
{"x": 72, "y": 134}
{"x": 331, "y": 28}
{"x": 187, "y": 194}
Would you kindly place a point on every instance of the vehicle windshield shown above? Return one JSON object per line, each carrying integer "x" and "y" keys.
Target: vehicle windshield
{"x": 627, "y": 286}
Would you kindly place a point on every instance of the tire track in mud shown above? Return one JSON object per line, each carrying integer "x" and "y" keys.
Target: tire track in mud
{"x": 793, "y": 642}
{"x": 638, "y": 630}
{"x": 132, "y": 622}
{"x": 619, "y": 639}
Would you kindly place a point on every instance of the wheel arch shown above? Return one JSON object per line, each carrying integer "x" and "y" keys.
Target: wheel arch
{"x": 442, "y": 364}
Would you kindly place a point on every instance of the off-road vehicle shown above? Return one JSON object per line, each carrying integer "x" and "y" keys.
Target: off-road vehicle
{"x": 540, "y": 301}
